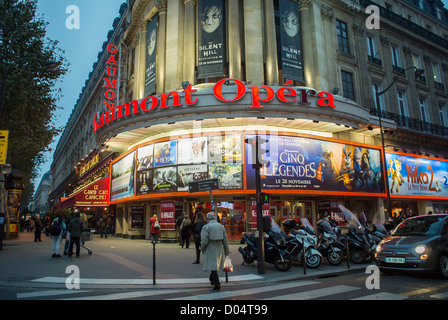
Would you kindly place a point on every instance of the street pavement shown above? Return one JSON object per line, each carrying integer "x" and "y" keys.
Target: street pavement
{"x": 117, "y": 262}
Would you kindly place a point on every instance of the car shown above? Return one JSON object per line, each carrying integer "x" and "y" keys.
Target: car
{"x": 418, "y": 244}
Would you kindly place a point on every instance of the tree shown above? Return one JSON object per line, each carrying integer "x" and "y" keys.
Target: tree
{"x": 28, "y": 95}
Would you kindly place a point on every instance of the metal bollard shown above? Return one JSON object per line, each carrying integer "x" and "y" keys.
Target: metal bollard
{"x": 153, "y": 262}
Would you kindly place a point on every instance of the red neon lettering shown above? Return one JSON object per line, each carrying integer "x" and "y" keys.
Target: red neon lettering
{"x": 281, "y": 93}
{"x": 164, "y": 98}
{"x": 154, "y": 103}
{"x": 127, "y": 109}
{"x": 112, "y": 48}
{"x": 109, "y": 73}
{"x": 111, "y": 60}
{"x": 188, "y": 92}
{"x": 256, "y": 96}
{"x": 110, "y": 114}
{"x": 109, "y": 84}
{"x": 109, "y": 95}
{"x": 241, "y": 90}
{"x": 325, "y": 101}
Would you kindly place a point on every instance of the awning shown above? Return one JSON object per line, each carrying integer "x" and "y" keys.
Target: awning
{"x": 95, "y": 194}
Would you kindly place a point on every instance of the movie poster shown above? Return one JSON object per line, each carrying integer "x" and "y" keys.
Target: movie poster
{"x": 290, "y": 40}
{"x": 226, "y": 148}
{"x": 415, "y": 176}
{"x": 151, "y": 49}
{"x": 122, "y": 180}
{"x": 192, "y": 150}
{"x": 165, "y": 179}
{"x": 165, "y": 153}
{"x": 211, "y": 36}
{"x": 311, "y": 164}
{"x": 230, "y": 175}
{"x": 191, "y": 173}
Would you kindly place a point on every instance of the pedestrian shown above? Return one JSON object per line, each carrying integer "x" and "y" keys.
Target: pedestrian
{"x": 214, "y": 247}
{"x": 47, "y": 226}
{"x": 38, "y": 226}
{"x": 102, "y": 225}
{"x": 179, "y": 220}
{"x": 67, "y": 234}
{"x": 57, "y": 239}
{"x": 75, "y": 229}
{"x": 154, "y": 228}
{"x": 185, "y": 228}
{"x": 199, "y": 223}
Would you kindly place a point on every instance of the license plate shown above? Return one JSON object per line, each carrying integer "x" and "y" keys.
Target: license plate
{"x": 395, "y": 260}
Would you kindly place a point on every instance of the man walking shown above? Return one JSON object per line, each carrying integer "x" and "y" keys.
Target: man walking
{"x": 75, "y": 229}
{"x": 214, "y": 247}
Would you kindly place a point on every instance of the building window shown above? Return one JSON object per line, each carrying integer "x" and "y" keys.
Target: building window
{"x": 378, "y": 100}
{"x": 396, "y": 58}
{"x": 417, "y": 61}
{"x": 341, "y": 28}
{"x": 436, "y": 72}
{"x": 372, "y": 50}
{"x": 403, "y": 103}
{"x": 443, "y": 116}
{"x": 348, "y": 89}
{"x": 424, "y": 109}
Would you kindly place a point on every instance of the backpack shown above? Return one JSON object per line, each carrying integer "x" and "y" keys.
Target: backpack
{"x": 55, "y": 229}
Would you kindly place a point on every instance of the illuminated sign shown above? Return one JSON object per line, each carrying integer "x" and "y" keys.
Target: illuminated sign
{"x": 258, "y": 94}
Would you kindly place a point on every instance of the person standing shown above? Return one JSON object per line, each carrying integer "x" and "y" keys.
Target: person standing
{"x": 75, "y": 229}
{"x": 58, "y": 221}
{"x": 38, "y": 226}
{"x": 154, "y": 228}
{"x": 214, "y": 247}
{"x": 102, "y": 224}
{"x": 67, "y": 234}
{"x": 185, "y": 228}
{"x": 199, "y": 223}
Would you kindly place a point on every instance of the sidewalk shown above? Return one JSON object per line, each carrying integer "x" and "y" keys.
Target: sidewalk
{"x": 122, "y": 262}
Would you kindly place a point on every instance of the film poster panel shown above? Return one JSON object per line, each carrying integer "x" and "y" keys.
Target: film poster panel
{"x": 165, "y": 179}
{"x": 291, "y": 40}
{"x": 211, "y": 38}
{"x": 165, "y": 153}
{"x": 190, "y": 173}
{"x": 122, "y": 180}
{"x": 230, "y": 175}
{"x": 151, "y": 49}
{"x": 192, "y": 150}
{"x": 311, "y": 164}
{"x": 226, "y": 148}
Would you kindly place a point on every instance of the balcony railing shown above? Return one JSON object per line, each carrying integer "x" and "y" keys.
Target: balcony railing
{"x": 375, "y": 60}
{"x": 412, "y": 124}
{"x": 405, "y": 23}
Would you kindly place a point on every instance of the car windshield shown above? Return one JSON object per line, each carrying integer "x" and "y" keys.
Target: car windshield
{"x": 429, "y": 225}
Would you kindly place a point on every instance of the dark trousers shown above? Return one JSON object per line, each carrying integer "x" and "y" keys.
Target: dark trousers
{"x": 197, "y": 244}
{"x": 214, "y": 279}
{"x": 37, "y": 234}
{"x": 185, "y": 241}
{"x": 73, "y": 241}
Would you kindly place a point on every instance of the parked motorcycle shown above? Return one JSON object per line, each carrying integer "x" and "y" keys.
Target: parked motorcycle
{"x": 328, "y": 243}
{"x": 299, "y": 237}
{"x": 359, "y": 247}
{"x": 274, "y": 247}
{"x": 374, "y": 234}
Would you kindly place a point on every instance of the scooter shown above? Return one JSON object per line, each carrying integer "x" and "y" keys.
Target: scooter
{"x": 274, "y": 247}
{"x": 303, "y": 236}
{"x": 374, "y": 234}
{"x": 328, "y": 243}
{"x": 359, "y": 247}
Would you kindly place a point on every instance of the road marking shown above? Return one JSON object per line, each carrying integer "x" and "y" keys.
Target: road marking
{"x": 441, "y": 295}
{"x": 424, "y": 290}
{"x": 312, "y": 294}
{"x": 381, "y": 296}
{"x": 127, "y": 295}
{"x": 27, "y": 295}
{"x": 244, "y": 292}
{"x": 62, "y": 280}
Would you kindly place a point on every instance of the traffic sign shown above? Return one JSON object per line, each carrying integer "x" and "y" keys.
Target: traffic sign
{"x": 203, "y": 185}
{"x": 3, "y": 145}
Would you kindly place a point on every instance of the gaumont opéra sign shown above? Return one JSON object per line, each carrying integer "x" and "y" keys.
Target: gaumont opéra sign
{"x": 258, "y": 95}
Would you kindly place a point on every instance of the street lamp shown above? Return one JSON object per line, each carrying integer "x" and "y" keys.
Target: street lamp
{"x": 417, "y": 73}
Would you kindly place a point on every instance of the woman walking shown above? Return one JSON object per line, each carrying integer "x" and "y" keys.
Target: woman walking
{"x": 199, "y": 222}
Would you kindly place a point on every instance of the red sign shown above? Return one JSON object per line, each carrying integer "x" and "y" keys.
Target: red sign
{"x": 265, "y": 209}
{"x": 167, "y": 213}
{"x": 95, "y": 195}
{"x": 285, "y": 95}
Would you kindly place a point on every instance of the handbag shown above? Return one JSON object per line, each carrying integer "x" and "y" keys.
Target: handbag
{"x": 228, "y": 266}
{"x": 156, "y": 225}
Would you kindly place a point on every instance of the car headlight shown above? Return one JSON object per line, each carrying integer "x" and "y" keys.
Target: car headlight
{"x": 420, "y": 249}
{"x": 379, "y": 248}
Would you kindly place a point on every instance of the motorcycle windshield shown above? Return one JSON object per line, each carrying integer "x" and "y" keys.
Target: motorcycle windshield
{"x": 275, "y": 227}
{"x": 307, "y": 226}
{"x": 363, "y": 219}
{"x": 351, "y": 219}
{"x": 327, "y": 227}
{"x": 380, "y": 226}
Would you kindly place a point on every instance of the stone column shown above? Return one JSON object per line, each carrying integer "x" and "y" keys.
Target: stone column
{"x": 161, "y": 47}
{"x": 307, "y": 50}
{"x": 253, "y": 33}
{"x": 271, "y": 44}
{"x": 234, "y": 43}
{"x": 174, "y": 53}
{"x": 189, "y": 42}
{"x": 142, "y": 60}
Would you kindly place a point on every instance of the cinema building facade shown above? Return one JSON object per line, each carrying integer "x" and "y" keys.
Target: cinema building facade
{"x": 204, "y": 76}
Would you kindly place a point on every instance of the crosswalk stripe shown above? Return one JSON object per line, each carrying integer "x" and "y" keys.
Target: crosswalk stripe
{"x": 382, "y": 296}
{"x": 441, "y": 295}
{"x": 228, "y": 294}
{"x": 48, "y": 293}
{"x": 312, "y": 294}
{"x": 126, "y": 295}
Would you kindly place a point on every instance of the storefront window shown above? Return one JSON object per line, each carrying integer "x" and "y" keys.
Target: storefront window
{"x": 137, "y": 217}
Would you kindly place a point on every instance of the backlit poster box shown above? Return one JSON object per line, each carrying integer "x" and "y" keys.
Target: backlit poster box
{"x": 122, "y": 179}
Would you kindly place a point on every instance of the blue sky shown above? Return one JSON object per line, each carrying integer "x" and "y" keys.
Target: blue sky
{"x": 81, "y": 48}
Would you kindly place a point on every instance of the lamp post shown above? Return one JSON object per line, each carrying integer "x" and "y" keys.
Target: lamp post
{"x": 417, "y": 73}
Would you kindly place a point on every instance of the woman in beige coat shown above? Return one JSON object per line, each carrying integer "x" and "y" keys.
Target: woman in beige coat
{"x": 214, "y": 247}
